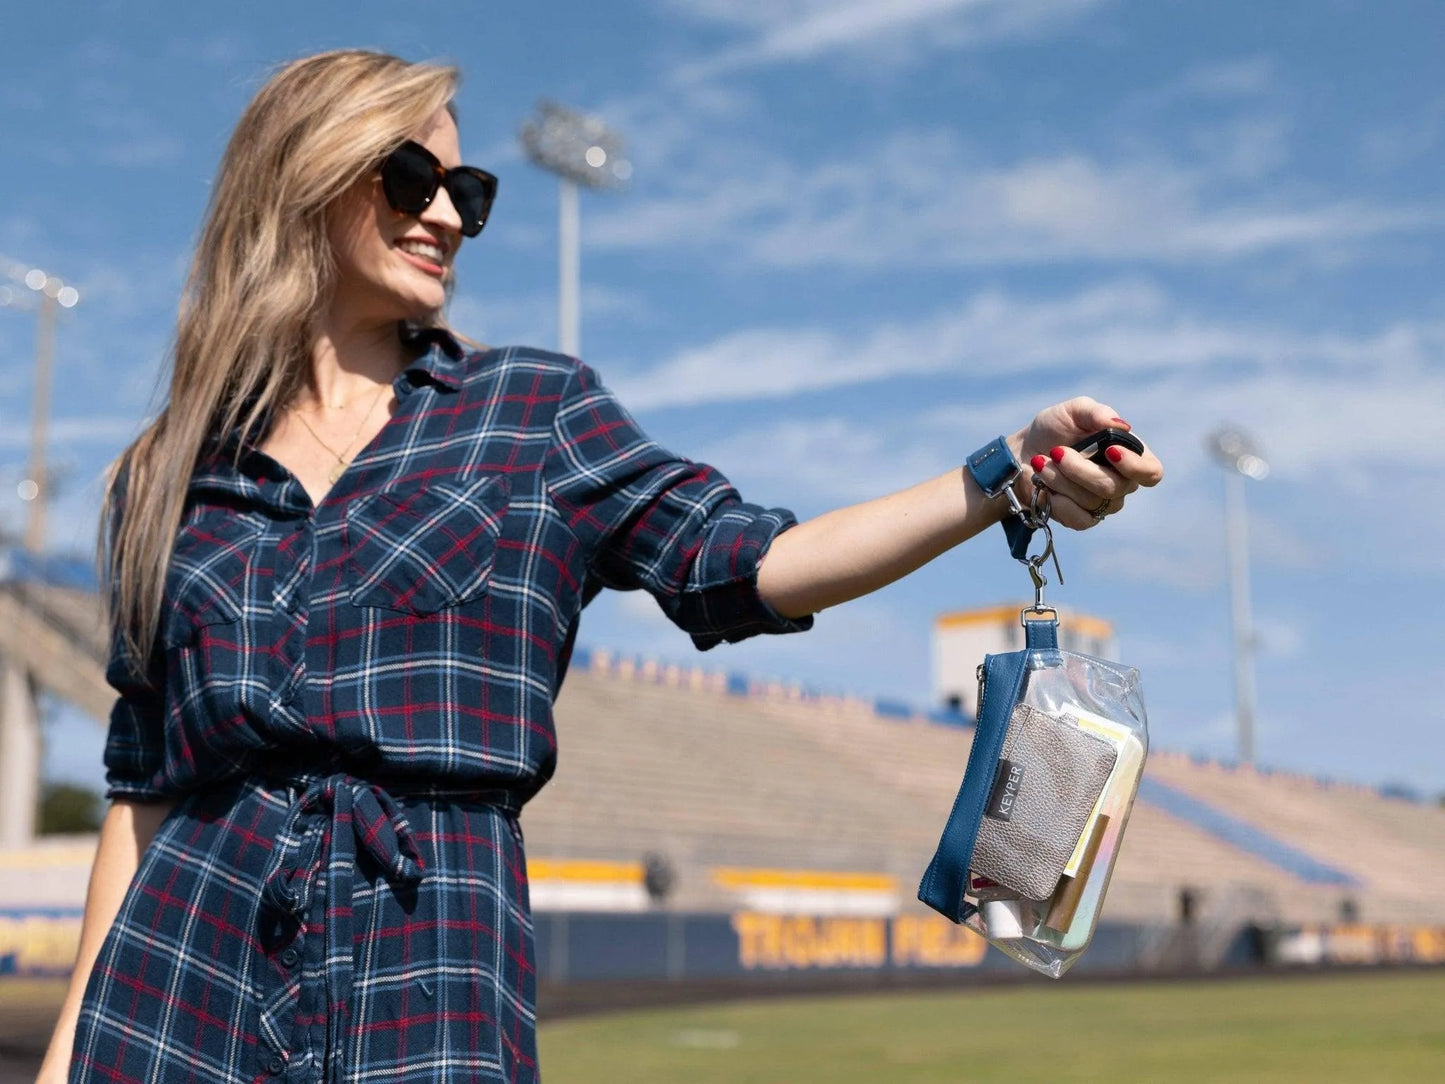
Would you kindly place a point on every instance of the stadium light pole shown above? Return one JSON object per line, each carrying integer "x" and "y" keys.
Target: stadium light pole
{"x": 1236, "y": 451}
{"x": 20, "y": 738}
{"x": 583, "y": 153}
{"x": 53, "y": 294}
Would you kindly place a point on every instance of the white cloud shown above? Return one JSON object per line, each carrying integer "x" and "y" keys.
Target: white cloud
{"x": 532, "y": 318}
{"x": 804, "y": 30}
{"x": 1113, "y": 330}
{"x": 1280, "y": 638}
{"x": 922, "y": 199}
{"x": 1401, "y": 141}
{"x": 833, "y": 460}
{"x": 102, "y": 429}
{"x": 1242, "y": 78}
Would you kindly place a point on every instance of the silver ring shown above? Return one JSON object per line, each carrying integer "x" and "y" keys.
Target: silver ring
{"x": 1102, "y": 512}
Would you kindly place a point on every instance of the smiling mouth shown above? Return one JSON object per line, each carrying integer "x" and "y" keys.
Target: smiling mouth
{"x": 432, "y": 256}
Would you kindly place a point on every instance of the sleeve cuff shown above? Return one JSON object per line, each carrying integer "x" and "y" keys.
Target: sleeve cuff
{"x": 726, "y": 594}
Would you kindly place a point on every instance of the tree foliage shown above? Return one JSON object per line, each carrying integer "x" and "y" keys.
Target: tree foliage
{"x": 66, "y": 807}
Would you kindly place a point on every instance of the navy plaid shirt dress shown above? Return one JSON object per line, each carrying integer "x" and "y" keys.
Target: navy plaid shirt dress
{"x": 351, "y": 703}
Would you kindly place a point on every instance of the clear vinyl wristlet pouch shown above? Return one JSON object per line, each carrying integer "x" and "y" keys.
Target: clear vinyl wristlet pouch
{"x": 1058, "y": 750}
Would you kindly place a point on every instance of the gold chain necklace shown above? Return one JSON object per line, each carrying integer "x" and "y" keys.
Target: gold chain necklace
{"x": 341, "y": 461}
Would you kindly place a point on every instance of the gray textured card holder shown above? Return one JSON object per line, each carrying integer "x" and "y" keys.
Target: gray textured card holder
{"x": 1048, "y": 779}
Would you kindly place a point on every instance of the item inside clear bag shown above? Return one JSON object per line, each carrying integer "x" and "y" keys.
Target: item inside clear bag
{"x": 1060, "y": 800}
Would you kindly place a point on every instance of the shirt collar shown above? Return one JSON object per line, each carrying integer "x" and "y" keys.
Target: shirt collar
{"x": 241, "y": 475}
{"x": 251, "y": 482}
{"x": 441, "y": 360}
{"x": 441, "y": 363}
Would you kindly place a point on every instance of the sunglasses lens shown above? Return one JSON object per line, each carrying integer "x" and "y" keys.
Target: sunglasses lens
{"x": 472, "y": 193}
{"x": 408, "y": 179}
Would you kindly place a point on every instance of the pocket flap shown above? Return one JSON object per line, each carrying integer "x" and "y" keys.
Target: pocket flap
{"x": 208, "y": 578}
{"x": 421, "y": 550}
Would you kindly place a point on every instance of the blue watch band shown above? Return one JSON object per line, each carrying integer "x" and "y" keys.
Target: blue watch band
{"x": 994, "y": 468}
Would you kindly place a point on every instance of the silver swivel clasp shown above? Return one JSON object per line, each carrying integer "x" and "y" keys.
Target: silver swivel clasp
{"x": 1036, "y": 517}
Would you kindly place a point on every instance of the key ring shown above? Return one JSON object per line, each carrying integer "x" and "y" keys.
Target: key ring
{"x": 1040, "y": 506}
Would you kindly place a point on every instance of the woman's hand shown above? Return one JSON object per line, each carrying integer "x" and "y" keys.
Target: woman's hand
{"x": 1083, "y": 492}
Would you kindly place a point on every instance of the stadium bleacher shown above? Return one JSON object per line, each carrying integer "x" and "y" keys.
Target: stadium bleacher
{"x": 712, "y": 770}
{"x": 752, "y": 791}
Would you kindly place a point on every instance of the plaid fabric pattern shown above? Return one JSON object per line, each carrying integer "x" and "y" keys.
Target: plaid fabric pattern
{"x": 352, "y": 702}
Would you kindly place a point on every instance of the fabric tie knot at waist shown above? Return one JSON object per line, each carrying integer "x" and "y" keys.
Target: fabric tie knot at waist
{"x": 333, "y": 820}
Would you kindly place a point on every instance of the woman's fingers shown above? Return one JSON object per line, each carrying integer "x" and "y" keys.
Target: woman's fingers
{"x": 1083, "y": 492}
{"x": 1143, "y": 470}
{"x": 1067, "y": 472}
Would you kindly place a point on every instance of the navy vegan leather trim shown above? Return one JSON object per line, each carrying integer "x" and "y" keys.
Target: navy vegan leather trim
{"x": 946, "y": 877}
{"x": 1042, "y": 635}
{"x": 993, "y": 467}
{"x": 1019, "y": 535}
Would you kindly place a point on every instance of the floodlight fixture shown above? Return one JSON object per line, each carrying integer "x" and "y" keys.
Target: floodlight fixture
{"x": 576, "y": 146}
{"x": 1235, "y": 449}
{"x": 53, "y": 293}
{"x": 37, "y": 281}
{"x": 584, "y": 153}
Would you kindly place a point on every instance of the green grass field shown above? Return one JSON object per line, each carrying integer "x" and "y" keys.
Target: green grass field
{"x": 1363, "y": 1029}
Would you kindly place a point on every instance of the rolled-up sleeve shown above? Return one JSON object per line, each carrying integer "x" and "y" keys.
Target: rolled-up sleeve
{"x": 648, "y": 519}
{"x": 135, "y": 741}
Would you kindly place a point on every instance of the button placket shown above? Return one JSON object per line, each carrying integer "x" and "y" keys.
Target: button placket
{"x": 294, "y": 561}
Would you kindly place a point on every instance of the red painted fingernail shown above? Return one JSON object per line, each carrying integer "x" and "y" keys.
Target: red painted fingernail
{"x": 1056, "y": 454}
{"x": 1121, "y": 423}
{"x": 1039, "y": 462}
{"x": 1115, "y": 454}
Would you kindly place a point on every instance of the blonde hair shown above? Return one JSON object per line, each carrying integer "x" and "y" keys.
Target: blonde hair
{"x": 259, "y": 281}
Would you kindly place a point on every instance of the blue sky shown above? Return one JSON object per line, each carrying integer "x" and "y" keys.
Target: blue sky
{"x": 862, "y": 238}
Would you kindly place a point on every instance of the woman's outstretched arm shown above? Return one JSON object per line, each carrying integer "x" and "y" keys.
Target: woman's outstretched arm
{"x": 124, "y": 835}
{"x": 852, "y": 551}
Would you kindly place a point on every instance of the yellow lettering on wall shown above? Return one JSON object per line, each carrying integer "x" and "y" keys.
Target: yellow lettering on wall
{"x": 1429, "y": 944}
{"x": 1363, "y": 944}
{"x": 40, "y": 944}
{"x": 803, "y": 942}
{"x": 933, "y": 941}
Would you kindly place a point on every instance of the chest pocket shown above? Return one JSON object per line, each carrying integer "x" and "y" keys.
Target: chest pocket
{"x": 421, "y": 550}
{"x": 211, "y": 576}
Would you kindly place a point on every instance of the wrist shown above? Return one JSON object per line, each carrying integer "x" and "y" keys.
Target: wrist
{"x": 1022, "y": 484}
{"x": 996, "y": 469}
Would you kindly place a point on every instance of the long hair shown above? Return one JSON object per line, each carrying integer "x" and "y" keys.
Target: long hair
{"x": 261, "y": 278}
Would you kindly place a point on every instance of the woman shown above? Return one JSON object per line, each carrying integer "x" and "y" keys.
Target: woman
{"x": 347, "y": 567}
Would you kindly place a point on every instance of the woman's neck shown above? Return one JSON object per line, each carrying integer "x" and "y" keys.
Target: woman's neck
{"x": 350, "y": 358}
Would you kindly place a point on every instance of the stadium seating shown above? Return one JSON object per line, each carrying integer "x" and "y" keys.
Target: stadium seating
{"x": 1395, "y": 849}
{"x": 712, "y": 771}
{"x": 749, "y": 792}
